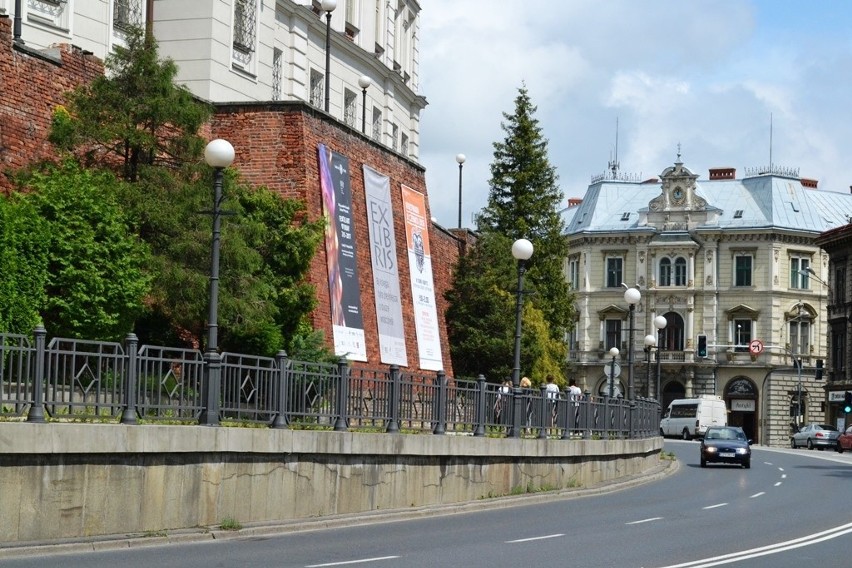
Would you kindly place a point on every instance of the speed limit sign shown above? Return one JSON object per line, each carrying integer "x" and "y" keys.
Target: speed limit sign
{"x": 755, "y": 347}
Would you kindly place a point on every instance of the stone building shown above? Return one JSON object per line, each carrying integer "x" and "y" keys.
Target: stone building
{"x": 733, "y": 261}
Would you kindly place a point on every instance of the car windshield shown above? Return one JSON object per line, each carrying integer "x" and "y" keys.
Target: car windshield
{"x": 725, "y": 434}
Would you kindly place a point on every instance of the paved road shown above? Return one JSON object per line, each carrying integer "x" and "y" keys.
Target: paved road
{"x": 689, "y": 519}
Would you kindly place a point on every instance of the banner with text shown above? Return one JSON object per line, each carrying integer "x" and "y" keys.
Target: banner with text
{"x": 422, "y": 284}
{"x": 385, "y": 268}
{"x": 341, "y": 260}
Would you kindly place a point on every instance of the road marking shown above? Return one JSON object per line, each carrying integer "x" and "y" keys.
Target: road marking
{"x": 783, "y": 476}
{"x": 348, "y": 562}
{"x": 715, "y": 506}
{"x": 757, "y": 495}
{"x": 534, "y": 538}
{"x": 777, "y": 483}
{"x": 644, "y": 521}
{"x": 767, "y": 550}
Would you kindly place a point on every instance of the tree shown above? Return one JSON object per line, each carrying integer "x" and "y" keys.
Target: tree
{"x": 95, "y": 281}
{"x": 524, "y": 202}
{"x": 24, "y": 245}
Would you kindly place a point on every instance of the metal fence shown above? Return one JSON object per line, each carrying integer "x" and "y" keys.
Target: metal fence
{"x": 68, "y": 379}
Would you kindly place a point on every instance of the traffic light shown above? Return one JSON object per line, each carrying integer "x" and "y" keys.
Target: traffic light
{"x": 847, "y": 403}
{"x": 818, "y": 372}
{"x": 702, "y": 346}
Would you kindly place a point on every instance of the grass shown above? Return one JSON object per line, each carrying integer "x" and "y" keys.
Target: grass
{"x": 230, "y": 524}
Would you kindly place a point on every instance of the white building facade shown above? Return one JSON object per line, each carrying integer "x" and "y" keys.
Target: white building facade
{"x": 264, "y": 50}
{"x": 733, "y": 261}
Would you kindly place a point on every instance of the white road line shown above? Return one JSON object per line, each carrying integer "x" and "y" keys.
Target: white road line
{"x": 777, "y": 483}
{"x": 643, "y": 521}
{"x": 348, "y": 562}
{"x": 780, "y": 469}
{"x": 766, "y": 550}
{"x": 714, "y": 506}
{"x": 757, "y": 495}
{"x": 783, "y": 476}
{"x": 534, "y": 538}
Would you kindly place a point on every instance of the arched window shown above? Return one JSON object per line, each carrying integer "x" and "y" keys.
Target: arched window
{"x": 680, "y": 271}
{"x": 665, "y": 272}
{"x": 671, "y": 337}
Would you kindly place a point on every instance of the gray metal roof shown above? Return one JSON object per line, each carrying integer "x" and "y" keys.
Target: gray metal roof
{"x": 759, "y": 202}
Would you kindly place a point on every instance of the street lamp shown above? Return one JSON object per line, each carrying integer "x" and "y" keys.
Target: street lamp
{"x": 522, "y": 250}
{"x": 632, "y": 297}
{"x": 219, "y": 154}
{"x": 613, "y": 351}
{"x": 460, "y": 158}
{"x": 650, "y": 344}
{"x": 364, "y": 82}
{"x": 660, "y": 323}
{"x": 328, "y": 7}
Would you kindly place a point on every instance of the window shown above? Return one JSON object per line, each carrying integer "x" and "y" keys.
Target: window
{"x": 840, "y": 285}
{"x": 377, "y": 125}
{"x": 738, "y": 214}
{"x": 680, "y": 271}
{"x": 613, "y": 334}
{"x": 245, "y": 14}
{"x": 394, "y": 136}
{"x": 614, "y": 275}
{"x": 316, "y": 88}
{"x": 126, "y": 14}
{"x": 665, "y": 272}
{"x": 742, "y": 334}
{"x": 403, "y": 144}
{"x": 574, "y": 273}
{"x": 742, "y": 270}
{"x": 350, "y": 107}
{"x": 277, "y": 68}
{"x": 625, "y": 216}
{"x": 799, "y": 336}
{"x": 799, "y": 277}
{"x": 51, "y": 12}
{"x": 838, "y": 353}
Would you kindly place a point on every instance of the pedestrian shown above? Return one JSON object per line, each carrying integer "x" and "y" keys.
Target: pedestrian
{"x": 526, "y": 387}
{"x": 551, "y": 392}
{"x": 575, "y": 395}
{"x": 501, "y": 401}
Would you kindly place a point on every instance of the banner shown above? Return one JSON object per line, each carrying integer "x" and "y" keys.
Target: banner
{"x": 343, "y": 283}
{"x": 385, "y": 268}
{"x": 422, "y": 284}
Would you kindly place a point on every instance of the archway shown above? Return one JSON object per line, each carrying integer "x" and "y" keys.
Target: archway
{"x": 741, "y": 401}
{"x": 672, "y": 391}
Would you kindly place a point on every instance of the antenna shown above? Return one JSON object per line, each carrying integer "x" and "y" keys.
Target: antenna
{"x": 613, "y": 164}
{"x": 770, "y": 141}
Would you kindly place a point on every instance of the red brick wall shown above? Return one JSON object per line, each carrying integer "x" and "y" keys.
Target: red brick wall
{"x": 276, "y": 145}
{"x": 30, "y": 87}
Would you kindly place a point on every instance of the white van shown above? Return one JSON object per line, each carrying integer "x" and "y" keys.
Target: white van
{"x": 690, "y": 417}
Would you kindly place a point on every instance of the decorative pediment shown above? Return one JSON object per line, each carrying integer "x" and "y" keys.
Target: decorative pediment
{"x": 612, "y": 311}
{"x": 742, "y": 311}
{"x": 800, "y": 311}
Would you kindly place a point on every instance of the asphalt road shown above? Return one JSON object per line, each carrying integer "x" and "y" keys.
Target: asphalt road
{"x": 792, "y": 508}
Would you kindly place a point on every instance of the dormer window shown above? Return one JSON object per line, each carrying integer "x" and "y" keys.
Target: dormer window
{"x": 625, "y": 216}
{"x": 738, "y": 214}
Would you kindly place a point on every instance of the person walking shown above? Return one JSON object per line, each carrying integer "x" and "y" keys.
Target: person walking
{"x": 575, "y": 395}
{"x": 551, "y": 392}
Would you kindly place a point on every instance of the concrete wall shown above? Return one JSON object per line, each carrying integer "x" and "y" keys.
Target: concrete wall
{"x": 79, "y": 480}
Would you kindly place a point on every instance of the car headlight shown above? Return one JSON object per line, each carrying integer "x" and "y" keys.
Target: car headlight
{"x": 710, "y": 449}
{"x": 742, "y": 451}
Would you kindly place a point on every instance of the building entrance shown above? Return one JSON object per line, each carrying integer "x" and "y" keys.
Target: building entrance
{"x": 741, "y": 401}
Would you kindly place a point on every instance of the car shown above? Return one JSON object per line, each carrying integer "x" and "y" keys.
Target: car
{"x": 815, "y": 435}
{"x": 726, "y": 444}
{"x": 844, "y": 441}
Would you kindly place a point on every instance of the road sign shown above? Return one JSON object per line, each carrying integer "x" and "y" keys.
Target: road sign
{"x": 755, "y": 347}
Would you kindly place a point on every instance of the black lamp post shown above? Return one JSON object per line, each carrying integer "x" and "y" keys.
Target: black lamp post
{"x": 328, "y": 7}
{"x": 364, "y": 82}
{"x": 522, "y": 250}
{"x": 219, "y": 154}
{"x": 460, "y": 158}
{"x": 632, "y": 297}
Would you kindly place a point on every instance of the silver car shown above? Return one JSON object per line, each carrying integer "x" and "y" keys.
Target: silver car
{"x": 815, "y": 436}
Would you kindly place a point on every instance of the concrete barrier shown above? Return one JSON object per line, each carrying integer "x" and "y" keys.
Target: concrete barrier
{"x": 60, "y": 481}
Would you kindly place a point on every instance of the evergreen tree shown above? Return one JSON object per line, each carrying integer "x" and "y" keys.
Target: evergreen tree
{"x": 524, "y": 202}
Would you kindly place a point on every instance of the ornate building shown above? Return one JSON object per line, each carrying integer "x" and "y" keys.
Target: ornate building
{"x": 732, "y": 263}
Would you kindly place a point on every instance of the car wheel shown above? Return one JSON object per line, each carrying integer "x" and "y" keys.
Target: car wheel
{"x": 747, "y": 464}
{"x": 793, "y": 443}
{"x": 839, "y": 449}
{"x": 810, "y": 444}
{"x": 686, "y": 435}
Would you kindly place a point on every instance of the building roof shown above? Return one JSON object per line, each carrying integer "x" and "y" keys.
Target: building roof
{"x": 758, "y": 202}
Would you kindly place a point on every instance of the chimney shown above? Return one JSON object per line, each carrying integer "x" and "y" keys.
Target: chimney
{"x": 574, "y": 201}
{"x": 723, "y": 173}
{"x": 809, "y": 183}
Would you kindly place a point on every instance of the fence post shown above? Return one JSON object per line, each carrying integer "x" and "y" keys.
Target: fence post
{"x": 393, "y": 400}
{"x": 280, "y": 420}
{"x": 570, "y": 414}
{"x": 340, "y": 424}
{"x": 128, "y": 416}
{"x": 589, "y": 410}
{"x": 210, "y": 389}
{"x": 479, "y": 428}
{"x": 36, "y": 413}
{"x": 545, "y": 413}
{"x": 440, "y": 411}
{"x": 631, "y": 411}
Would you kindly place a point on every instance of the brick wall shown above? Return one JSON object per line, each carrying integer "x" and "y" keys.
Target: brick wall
{"x": 32, "y": 84}
{"x": 276, "y": 145}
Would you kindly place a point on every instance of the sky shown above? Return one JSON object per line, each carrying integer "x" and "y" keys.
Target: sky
{"x": 733, "y": 83}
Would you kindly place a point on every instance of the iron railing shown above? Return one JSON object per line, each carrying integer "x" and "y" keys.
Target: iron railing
{"x": 70, "y": 379}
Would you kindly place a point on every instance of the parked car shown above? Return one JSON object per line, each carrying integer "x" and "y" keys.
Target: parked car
{"x": 726, "y": 444}
{"x": 815, "y": 435}
{"x": 844, "y": 441}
